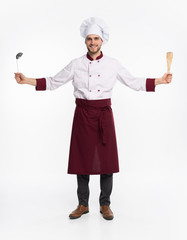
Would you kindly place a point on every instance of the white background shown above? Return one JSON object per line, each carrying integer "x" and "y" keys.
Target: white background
{"x": 36, "y": 193}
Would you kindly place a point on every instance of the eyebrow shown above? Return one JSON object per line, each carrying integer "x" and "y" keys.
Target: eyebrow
{"x": 89, "y": 38}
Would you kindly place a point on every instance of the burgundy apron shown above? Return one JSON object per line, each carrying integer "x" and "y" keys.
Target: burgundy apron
{"x": 93, "y": 146}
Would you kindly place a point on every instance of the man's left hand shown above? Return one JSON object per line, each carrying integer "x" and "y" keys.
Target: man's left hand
{"x": 165, "y": 79}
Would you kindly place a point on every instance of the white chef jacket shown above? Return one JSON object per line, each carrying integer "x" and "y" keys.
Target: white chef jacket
{"x": 94, "y": 79}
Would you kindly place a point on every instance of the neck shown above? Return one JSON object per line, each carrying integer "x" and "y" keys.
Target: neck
{"x": 94, "y": 55}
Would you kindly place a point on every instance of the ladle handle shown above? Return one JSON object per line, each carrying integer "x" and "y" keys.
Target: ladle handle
{"x": 17, "y": 65}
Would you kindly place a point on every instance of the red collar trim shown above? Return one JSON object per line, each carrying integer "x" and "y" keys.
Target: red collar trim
{"x": 91, "y": 59}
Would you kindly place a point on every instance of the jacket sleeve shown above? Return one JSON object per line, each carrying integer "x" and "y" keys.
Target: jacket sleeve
{"x": 136, "y": 83}
{"x": 50, "y": 83}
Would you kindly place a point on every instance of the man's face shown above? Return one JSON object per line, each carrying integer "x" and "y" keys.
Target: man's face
{"x": 93, "y": 43}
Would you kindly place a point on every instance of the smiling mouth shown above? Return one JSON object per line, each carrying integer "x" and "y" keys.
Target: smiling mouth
{"x": 93, "y": 49}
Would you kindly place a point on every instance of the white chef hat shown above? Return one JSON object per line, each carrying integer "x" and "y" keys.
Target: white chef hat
{"x": 95, "y": 26}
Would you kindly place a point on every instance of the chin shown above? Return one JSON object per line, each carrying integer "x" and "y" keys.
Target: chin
{"x": 96, "y": 51}
{"x": 93, "y": 52}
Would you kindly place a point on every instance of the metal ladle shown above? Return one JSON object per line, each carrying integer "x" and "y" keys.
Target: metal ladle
{"x": 17, "y": 57}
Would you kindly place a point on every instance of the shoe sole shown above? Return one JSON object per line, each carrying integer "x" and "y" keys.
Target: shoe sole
{"x": 72, "y": 217}
{"x": 107, "y": 218}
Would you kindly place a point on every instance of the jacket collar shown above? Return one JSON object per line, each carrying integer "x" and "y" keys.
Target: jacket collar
{"x": 91, "y": 59}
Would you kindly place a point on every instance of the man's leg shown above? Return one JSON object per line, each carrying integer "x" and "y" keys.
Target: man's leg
{"x": 106, "y": 183}
{"x": 83, "y": 189}
{"x": 83, "y": 196}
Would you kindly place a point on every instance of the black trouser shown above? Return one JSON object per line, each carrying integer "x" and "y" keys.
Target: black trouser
{"x": 106, "y": 182}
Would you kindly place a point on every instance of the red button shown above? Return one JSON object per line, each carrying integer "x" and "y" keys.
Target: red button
{"x": 97, "y": 61}
{"x": 98, "y": 90}
{"x": 90, "y": 62}
{"x": 90, "y": 75}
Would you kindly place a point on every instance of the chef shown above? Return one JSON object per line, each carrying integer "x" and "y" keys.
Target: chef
{"x": 93, "y": 146}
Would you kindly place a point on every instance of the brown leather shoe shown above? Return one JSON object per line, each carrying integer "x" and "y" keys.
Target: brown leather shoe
{"x": 81, "y": 209}
{"x": 106, "y": 212}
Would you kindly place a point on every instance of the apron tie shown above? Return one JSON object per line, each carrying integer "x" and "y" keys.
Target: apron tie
{"x": 102, "y": 126}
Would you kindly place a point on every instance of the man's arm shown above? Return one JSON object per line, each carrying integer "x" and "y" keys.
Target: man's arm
{"x": 39, "y": 83}
{"x": 152, "y": 82}
{"x": 48, "y": 83}
{"x": 165, "y": 79}
{"x": 137, "y": 83}
{"x": 22, "y": 79}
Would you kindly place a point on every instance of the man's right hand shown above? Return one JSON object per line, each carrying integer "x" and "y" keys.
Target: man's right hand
{"x": 20, "y": 78}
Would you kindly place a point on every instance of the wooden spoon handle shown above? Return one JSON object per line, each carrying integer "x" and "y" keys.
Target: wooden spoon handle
{"x": 169, "y": 57}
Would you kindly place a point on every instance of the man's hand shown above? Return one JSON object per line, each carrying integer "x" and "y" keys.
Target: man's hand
{"x": 21, "y": 79}
{"x": 165, "y": 79}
